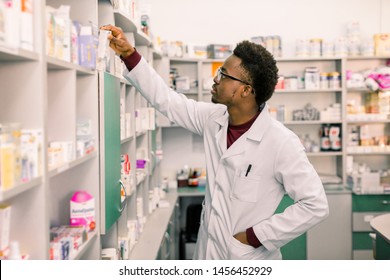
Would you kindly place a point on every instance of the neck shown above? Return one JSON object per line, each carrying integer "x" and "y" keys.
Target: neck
{"x": 237, "y": 116}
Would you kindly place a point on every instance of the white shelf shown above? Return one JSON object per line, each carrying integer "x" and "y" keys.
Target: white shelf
{"x": 128, "y": 139}
{"x": 141, "y": 39}
{"x": 213, "y": 60}
{"x": 85, "y": 246}
{"x": 362, "y": 90}
{"x": 157, "y": 54}
{"x": 139, "y": 178}
{"x": 324, "y": 154}
{"x": 124, "y": 21}
{"x": 309, "y": 122}
{"x": 20, "y": 188}
{"x": 10, "y": 54}
{"x": 58, "y": 64}
{"x": 308, "y": 90}
{"x": 303, "y": 59}
{"x": 368, "y": 121}
{"x": 368, "y": 57}
{"x": 140, "y": 133}
{"x": 184, "y": 60}
{"x": 69, "y": 165}
{"x": 124, "y": 81}
{"x": 372, "y": 153}
{"x": 148, "y": 244}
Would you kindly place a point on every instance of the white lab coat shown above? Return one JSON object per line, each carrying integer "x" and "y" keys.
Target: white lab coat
{"x": 235, "y": 201}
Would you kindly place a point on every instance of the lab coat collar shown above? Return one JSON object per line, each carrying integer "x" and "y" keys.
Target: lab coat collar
{"x": 221, "y": 136}
{"x": 255, "y": 133}
{"x": 257, "y": 130}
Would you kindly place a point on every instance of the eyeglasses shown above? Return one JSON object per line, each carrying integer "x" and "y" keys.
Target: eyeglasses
{"x": 221, "y": 74}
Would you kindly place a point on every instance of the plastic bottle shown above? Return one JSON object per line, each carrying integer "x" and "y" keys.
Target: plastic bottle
{"x": 307, "y": 143}
{"x": 325, "y": 141}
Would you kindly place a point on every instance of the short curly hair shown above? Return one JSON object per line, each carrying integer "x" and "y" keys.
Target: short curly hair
{"x": 260, "y": 67}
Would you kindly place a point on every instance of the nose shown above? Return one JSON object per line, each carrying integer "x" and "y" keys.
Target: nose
{"x": 215, "y": 80}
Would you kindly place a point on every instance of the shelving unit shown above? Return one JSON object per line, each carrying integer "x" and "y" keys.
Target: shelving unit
{"x": 330, "y": 162}
{"x": 139, "y": 143}
{"x": 23, "y": 102}
{"x": 52, "y": 96}
{"x": 375, "y": 157}
{"x": 71, "y": 97}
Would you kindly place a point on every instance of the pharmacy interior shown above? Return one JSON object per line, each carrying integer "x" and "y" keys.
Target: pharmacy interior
{"x": 90, "y": 170}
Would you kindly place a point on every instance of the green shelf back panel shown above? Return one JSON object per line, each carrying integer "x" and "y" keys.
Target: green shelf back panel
{"x": 112, "y": 149}
{"x": 295, "y": 249}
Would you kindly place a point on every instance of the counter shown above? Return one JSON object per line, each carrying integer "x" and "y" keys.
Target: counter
{"x": 200, "y": 191}
{"x": 381, "y": 226}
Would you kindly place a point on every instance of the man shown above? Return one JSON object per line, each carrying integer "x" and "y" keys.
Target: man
{"x": 252, "y": 160}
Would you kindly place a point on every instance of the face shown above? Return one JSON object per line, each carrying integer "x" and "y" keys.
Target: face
{"x": 226, "y": 89}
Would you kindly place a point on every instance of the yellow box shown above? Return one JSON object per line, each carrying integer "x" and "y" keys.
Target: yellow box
{"x": 382, "y": 44}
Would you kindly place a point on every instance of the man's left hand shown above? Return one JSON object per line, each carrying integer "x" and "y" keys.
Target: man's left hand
{"x": 241, "y": 236}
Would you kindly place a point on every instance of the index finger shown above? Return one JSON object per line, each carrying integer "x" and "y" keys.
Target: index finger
{"x": 115, "y": 30}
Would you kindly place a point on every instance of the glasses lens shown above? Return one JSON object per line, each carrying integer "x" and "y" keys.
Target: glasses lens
{"x": 219, "y": 75}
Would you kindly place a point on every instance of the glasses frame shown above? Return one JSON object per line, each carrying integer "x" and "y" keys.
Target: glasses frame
{"x": 220, "y": 74}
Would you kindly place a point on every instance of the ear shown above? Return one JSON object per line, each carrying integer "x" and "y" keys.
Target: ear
{"x": 246, "y": 91}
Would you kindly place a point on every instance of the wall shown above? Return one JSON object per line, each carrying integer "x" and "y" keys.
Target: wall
{"x": 228, "y": 21}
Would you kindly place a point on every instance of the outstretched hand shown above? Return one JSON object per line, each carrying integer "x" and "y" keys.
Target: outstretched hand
{"x": 118, "y": 41}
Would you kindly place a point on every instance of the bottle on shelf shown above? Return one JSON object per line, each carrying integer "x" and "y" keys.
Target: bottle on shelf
{"x": 335, "y": 137}
{"x": 325, "y": 141}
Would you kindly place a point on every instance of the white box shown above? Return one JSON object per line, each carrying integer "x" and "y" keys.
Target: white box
{"x": 5, "y": 225}
{"x": 138, "y": 126}
{"x": 122, "y": 126}
{"x": 27, "y": 25}
{"x": 370, "y": 180}
{"x": 31, "y": 149}
{"x": 128, "y": 125}
{"x": 183, "y": 83}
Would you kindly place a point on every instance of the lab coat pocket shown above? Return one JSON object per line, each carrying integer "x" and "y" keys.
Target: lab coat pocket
{"x": 240, "y": 251}
{"x": 245, "y": 187}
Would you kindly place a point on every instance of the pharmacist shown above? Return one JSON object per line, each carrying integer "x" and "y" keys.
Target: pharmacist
{"x": 251, "y": 159}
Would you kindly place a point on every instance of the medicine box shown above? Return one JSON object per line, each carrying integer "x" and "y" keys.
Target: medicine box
{"x": 218, "y": 51}
{"x": 382, "y": 44}
{"x": 5, "y": 224}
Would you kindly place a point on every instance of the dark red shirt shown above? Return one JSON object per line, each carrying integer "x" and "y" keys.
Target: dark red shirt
{"x": 235, "y": 131}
